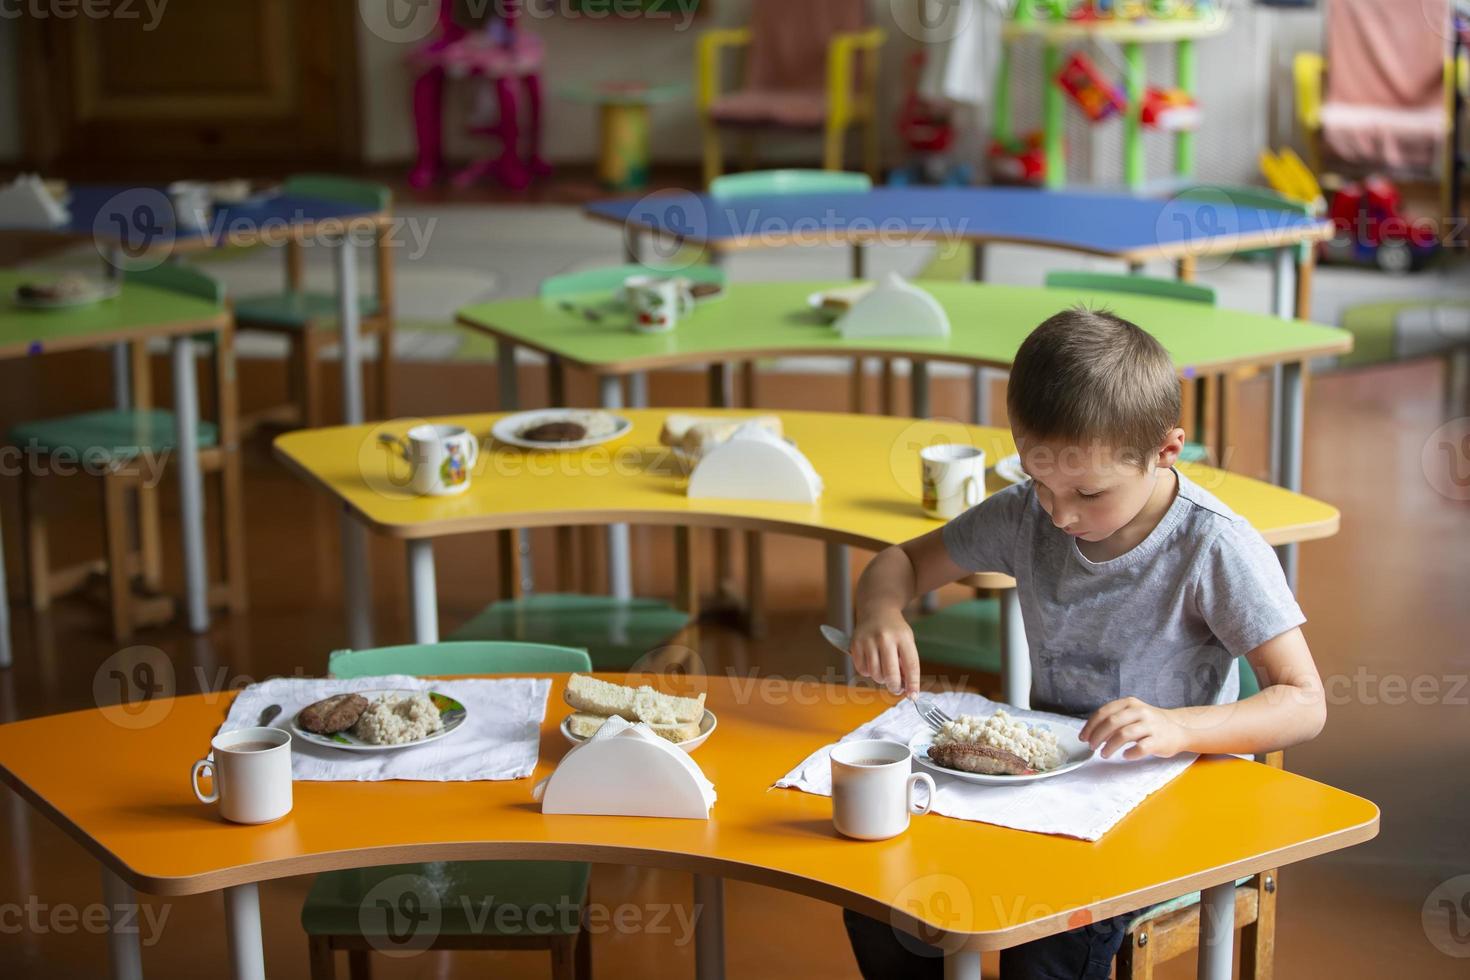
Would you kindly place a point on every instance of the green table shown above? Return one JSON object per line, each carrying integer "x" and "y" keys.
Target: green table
{"x": 759, "y": 320}
{"x": 138, "y": 313}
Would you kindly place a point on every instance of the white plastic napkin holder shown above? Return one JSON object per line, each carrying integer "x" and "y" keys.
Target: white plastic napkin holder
{"x": 626, "y": 775}
{"x": 894, "y": 308}
{"x": 26, "y": 203}
{"x": 755, "y": 466}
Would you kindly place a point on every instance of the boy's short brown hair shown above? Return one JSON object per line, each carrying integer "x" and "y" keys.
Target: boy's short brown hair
{"x": 1091, "y": 376}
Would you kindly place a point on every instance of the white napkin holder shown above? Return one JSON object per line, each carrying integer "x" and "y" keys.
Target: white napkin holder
{"x": 632, "y": 773}
{"x": 755, "y": 464}
{"x": 894, "y": 308}
{"x": 26, "y": 203}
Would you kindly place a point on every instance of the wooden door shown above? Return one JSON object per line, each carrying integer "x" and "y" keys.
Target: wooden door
{"x": 202, "y": 88}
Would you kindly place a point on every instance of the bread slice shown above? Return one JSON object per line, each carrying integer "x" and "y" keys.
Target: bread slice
{"x": 598, "y": 697}
{"x": 584, "y": 725}
{"x": 696, "y": 434}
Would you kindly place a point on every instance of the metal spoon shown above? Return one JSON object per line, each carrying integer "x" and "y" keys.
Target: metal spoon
{"x": 269, "y": 714}
{"x": 839, "y": 639}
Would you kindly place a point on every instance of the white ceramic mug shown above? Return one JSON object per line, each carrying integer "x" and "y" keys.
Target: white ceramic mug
{"x": 191, "y": 204}
{"x": 873, "y": 788}
{"x": 440, "y": 458}
{"x": 658, "y": 301}
{"x": 252, "y": 774}
{"x": 953, "y": 478}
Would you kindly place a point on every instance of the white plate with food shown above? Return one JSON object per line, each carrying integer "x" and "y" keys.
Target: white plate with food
{"x": 560, "y": 429}
{"x": 379, "y": 720}
{"x": 1009, "y": 468}
{"x": 578, "y": 728}
{"x": 63, "y": 293}
{"x": 999, "y": 750}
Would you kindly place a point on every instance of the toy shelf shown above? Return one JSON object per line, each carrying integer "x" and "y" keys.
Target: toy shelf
{"x": 1054, "y": 34}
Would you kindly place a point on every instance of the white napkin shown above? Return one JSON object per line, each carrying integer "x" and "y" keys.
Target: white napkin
{"x": 1085, "y": 803}
{"x": 759, "y": 433}
{"x": 617, "y": 727}
{"x": 499, "y": 739}
{"x": 26, "y": 203}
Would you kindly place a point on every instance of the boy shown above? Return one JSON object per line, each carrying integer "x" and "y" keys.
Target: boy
{"x": 1138, "y": 590}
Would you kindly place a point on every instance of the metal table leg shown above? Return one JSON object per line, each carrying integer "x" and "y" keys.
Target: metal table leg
{"x": 964, "y": 965}
{"x": 191, "y": 487}
{"x": 979, "y": 377}
{"x": 709, "y": 928}
{"x": 124, "y": 951}
{"x": 839, "y": 597}
{"x": 1216, "y": 931}
{"x": 1015, "y": 654}
{"x": 357, "y": 590}
{"x": 242, "y": 930}
{"x": 423, "y": 592}
{"x": 349, "y": 321}
{"x": 1293, "y": 412}
{"x": 619, "y": 566}
{"x": 510, "y": 400}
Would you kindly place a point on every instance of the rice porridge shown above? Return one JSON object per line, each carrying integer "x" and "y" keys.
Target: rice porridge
{"x": 394, "y": 719}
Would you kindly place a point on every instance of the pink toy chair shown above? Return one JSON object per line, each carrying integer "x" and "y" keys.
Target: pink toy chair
{"x": 481, "y": 42}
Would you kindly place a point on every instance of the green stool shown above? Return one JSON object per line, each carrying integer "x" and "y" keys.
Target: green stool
{"x": 481, "y": 904}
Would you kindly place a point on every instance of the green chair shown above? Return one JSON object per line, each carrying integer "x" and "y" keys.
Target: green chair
{"x": 1188, "y": 292}
{"x": 463, "y": 890}
{"x": 1172, "y": 928}
{"x": 124, "y": 443}
{"x": 756, "y": 183}
{"x": 308, "y": 320}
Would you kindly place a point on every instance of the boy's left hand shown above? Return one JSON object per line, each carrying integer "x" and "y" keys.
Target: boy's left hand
{"x": 1153, "y": 730}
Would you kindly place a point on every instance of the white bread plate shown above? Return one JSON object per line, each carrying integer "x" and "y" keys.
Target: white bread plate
{"x": 706, "y": 729}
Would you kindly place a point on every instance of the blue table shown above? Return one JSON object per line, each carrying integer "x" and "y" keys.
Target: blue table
{"x": 136, "y": 224}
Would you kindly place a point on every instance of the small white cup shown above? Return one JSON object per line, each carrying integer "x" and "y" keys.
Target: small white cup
{"x": 440, "y": 458}
{"x": 873, "y": 788}
{"x": 953, "y": 479}
{"x": 658, "y": 302}
{"x": 252, "y": 774}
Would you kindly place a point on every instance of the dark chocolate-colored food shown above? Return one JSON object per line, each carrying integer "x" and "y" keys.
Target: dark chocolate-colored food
{"x": 980, "y": 759}
{"x": 332, "y": 715}
{"x": 702, "y": 289}
{"x": 555, "y": 432}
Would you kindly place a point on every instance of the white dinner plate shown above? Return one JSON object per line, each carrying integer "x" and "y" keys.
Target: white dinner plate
{"x": 451, "y": 712}
{"x": 508, "y": 430}
{"x": 1009, "y": 468}
{"x": 96, "y": 294}
{"x": 1075, "y": 752}
{"x": 706, "y": 728}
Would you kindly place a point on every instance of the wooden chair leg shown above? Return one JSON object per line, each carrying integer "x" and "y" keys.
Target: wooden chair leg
{"x": 359, "y": 966}
{"x": 1258, "y": 939}
{"x": 584, "y": 952}
{"x": 755, "y": 585}
{"x": 1136, "y": 958}
{"x": 686, "y": 572}
{"x": 885, "y": 388}
{"x": 714, "y": 153}
{"x": 232, "y": 529}
{"x": 748, "y": 382}
{"x": 37, "y": 546}
{"x": 1209, "y": 415}
{"x": 322, "y": 960}
{"x": 855, "y": 387}
{"x": 564, "y": 957}
{"x": 150, "y": 541}
{"x": 308, "y": 367}
{"x": 832, "y": 145}
{"x": 115, "y": 530}
{"x": 384, "y": 383}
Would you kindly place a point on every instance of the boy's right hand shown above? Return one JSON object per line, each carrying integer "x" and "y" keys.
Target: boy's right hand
{"x": 883, "y": 648}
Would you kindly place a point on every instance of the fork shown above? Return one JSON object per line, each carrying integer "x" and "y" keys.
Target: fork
{"x": 932, "y": 714}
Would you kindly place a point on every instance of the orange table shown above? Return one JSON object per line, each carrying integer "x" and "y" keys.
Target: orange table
{"x": 966, "y": 886}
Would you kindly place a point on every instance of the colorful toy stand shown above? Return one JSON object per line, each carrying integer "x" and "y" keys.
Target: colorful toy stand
{"x": 481, "y": 42}
{"x": 1059, "y": 24}
{"x": 622, "y": 161}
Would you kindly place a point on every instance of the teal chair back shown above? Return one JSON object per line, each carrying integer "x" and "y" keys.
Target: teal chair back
{"x": 1189, "y": 292}
{"x": 326, "y": 187}
{"x": 1245, "y": 196}
{"x": 773, "y": 182}
{"x": 608, "y": 278}
{"x": 182, "y": 279}
{"x": 443, "y": 659}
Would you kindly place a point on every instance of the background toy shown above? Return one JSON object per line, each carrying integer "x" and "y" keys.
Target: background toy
{"x": 1097, "y": 97}
{"x": 927, "y": 127}
{"x": 1373, "y": 229}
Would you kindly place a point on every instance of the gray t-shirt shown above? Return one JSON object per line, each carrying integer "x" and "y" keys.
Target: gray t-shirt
{"x": 1163, "y": 622}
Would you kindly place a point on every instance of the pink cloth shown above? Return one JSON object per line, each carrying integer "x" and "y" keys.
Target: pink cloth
{"x": 753, "y": 107}
{"x": 1384, "y": 101}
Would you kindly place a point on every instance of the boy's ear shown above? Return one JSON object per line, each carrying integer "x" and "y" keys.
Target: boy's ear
{"x": 1172, "y": 447}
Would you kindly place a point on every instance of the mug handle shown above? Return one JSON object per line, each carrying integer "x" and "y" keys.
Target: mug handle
{"x": 686, "y": 297}
{"x": 913, "y": 780}
{"x": 973, "y": 491}
{"x": 395, "y": 442}
{"x": 474, "y": 451}
{"x": 200, "y": 766}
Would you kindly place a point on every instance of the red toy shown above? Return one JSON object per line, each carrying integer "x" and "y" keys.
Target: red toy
{"x": 1372, "y": 228}
{"x": 1097, "y": 97}
{"x": 1018, "y": 161}
{"x": 1169, "y": 109}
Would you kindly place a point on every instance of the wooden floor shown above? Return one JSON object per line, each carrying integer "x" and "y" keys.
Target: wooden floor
{"x": 1386, "y": 601}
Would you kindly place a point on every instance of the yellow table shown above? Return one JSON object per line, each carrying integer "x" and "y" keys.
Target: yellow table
{"x": 114, "y": 780}
{"x": 869, "y": 466}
